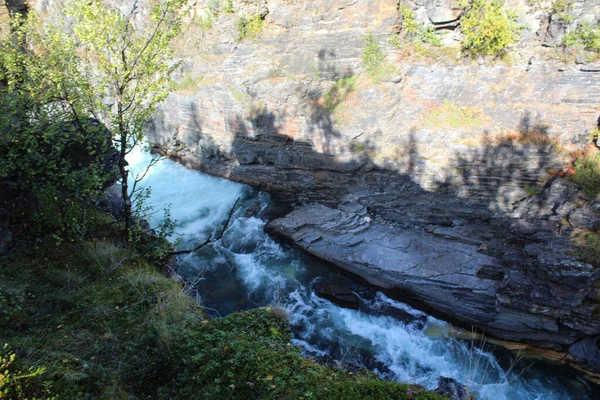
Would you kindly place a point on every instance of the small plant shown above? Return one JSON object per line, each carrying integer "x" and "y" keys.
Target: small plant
{"x": 17, "y": 382}
{"x": 594, "y": 135}
{"x": 228, "y": 7}
{"x": 488, "y": 29}
{"x": 584, "y": 35}
{"x": 561, "y": 9}
{"x": 532, "y": 190}
{"x": 187, "y": 84}
{"x": 11, "y": 303}
{"x": 587, "y": 174}
{"x": 250, "y": 28}
{"x": 589, "y": 247}
{"x": 374, "y": 61}
{"x": 415, "y": 30}
{"x": 206, "y": 21}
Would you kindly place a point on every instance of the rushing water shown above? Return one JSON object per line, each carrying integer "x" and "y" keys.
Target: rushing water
{"x": 247, "y": 269}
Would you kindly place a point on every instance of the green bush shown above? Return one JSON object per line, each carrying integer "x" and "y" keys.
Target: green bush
{"x": 488, "y": 29}
{"x": 584, "y": 35}
{"x": 587, "y": 174}
{"x": 374, "y": 61}
{"x": 250, "y": 28}
{"x": 415, "y": 30}
{"x": 18, "y": 382}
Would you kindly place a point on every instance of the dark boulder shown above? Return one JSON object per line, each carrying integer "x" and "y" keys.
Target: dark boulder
{"x": 339, "y": 293}
{"x": 452, "y": 389}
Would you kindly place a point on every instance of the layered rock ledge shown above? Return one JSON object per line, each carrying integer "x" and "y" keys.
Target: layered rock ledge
{"x": 541, "y": 296}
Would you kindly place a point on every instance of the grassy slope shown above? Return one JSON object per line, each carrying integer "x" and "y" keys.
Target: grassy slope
{"x": 106, "y": 324}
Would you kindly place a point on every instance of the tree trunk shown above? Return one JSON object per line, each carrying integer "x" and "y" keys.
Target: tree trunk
{"x": 128, "y": 218}
{"x": 16, "y": 7}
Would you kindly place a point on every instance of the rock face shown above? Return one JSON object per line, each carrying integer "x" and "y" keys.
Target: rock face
{"x": 539, "y": 295}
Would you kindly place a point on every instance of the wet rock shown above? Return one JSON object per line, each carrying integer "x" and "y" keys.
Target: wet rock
{"x": 338, "y": 293}
{"x": 587, "y": 352}
{"x": 452, "y": 389}
{"x": 416, "y": 321}
{"x": 529, "y": 289}
{"x": 253, "y": 210}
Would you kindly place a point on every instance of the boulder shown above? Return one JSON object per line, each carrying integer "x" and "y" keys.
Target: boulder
{"x": 452, "y": 389}
{"x": 339, "y": 293}
{"x": 442, "y": 11}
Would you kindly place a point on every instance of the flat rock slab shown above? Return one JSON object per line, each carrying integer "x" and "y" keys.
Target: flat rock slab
{"x": 531, "y": 291}
{"x": 442, "y": 273}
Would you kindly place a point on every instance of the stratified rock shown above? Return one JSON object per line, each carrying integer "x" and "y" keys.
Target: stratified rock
{"x": 442, "y": 11}
{"x": 528, "y": 289}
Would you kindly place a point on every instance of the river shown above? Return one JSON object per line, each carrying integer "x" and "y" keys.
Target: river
{"x": 248, "y": 269}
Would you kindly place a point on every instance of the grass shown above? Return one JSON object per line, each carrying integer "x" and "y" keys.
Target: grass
{"x": 96, "y": 320}
{"x": 450, "y": 115}
{"x": 374, "y": 61}
{"x": 587, "y": 173}
{"x": 187, "y": 84}
{"x": 588, "y": 244}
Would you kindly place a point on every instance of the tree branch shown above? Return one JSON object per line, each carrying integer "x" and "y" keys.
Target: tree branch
{"x": 210, "y": 239}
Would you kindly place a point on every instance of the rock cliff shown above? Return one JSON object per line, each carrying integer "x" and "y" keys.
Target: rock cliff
{"x": 433, "y": 178}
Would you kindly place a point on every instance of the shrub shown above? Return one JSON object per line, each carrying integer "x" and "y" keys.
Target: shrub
{"x": 488, "y": 29}
{"x": 374, "y": 63}
{"x": 587, "y": 174}
{"x": 415, "y": 30}
{"x": 17, "y": 382}
{"x": 584, "y": 35}
{"x": 249, "y": 28}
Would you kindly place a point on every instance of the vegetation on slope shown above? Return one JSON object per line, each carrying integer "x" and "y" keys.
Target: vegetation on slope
{"x": 96, "y": 319}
